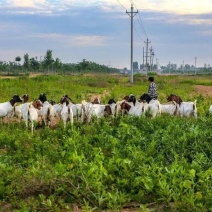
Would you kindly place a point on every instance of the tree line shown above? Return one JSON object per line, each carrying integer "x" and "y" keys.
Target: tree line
{"x": 48, "y": 64}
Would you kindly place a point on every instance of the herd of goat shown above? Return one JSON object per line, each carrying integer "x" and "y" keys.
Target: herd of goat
{"x": 67, "y": 110}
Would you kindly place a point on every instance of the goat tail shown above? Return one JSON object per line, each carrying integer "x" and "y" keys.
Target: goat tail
{"x": 28, "y": 112}
{"x": 71, "y": 115}
{"x": 82, "y": 114}
{"x": 48, "y": 114}
{"x": 195, "y": 105}
{"x": 13, "y": 112}
{"x": 159, "y": 108}
{"x": 195, "y": 102}
{"x": 195, "y": 108}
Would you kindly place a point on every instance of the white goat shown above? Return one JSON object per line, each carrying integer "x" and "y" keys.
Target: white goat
{"x": 57, "y": 110}
{"x": 188, "y": 109}
{"x": 66, "y": 112}
{"x": 154, "y": 107}
{"x": 17, "y": 108}
{"x": 119, "y": 110}
{"x": 171, "y": 109}
{"x": 30, "y": 112}
{"x": 185, "y": 108}
{"x": 110, "y": 109}
{"x": 136, "y": 110}
{"x": 89, "y": 110}
{"x": 76, "y": 109}
{"x": 6, "y": 108}
{"x": 47, "y": 111}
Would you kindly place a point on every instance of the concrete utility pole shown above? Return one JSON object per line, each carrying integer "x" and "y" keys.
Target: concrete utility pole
{"x": 131, "y": 14}
{"x": 143, "y": 56}
{"x": 147, "y": 43}
{"x": 151, "y": 58}
{"x": 157, "y": 63}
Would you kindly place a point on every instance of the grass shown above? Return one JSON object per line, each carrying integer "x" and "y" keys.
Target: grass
{"x": 153, "y": 164}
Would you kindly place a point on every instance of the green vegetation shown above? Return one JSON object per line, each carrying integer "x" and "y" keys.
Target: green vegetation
{"x": 161, "y": 164}
{"x": 49, "y": 65}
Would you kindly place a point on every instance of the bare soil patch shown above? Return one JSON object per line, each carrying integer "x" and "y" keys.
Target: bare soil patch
{"x": 31, "y": 75}
{"x": 100, "y": 96}
{"x": 204, "y": 90}
{"x": 35, "y": 75}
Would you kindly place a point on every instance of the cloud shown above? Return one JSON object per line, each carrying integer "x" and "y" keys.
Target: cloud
{"x": 25, "y": 3}
{"x": 197, "y": 19}
{"x": 170, "y": 6}
{"x": 73, "y": 40}
{"x": 94, "y": 29}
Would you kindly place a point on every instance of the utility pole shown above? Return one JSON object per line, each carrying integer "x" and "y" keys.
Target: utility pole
{"x": 147, "y": 43}
{"x": 157, "y": 63}
{"x": 195, "y": 65}
{"x": 151, "y": 58}
{"x": 131, "y": 14}
{"x": 143, "y": 56}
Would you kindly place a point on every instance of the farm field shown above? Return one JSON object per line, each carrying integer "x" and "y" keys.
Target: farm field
{"x": 115, "y": 164}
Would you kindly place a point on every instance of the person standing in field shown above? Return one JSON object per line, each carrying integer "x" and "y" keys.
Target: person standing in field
{"x": 152, "y": 91}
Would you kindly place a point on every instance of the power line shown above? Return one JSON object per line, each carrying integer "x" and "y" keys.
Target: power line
{"x": 139, "y": 20}
{"x": 132, "y": 13}
{"x": 141, "y": 23}
{"x": 148, "y": 58}
{"x": 121, "y": 4}
{"x": 137, "y": 33}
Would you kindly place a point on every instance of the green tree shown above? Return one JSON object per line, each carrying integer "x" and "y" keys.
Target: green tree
{"x": 57, "y": 64}
{"x": 26, "y": 63}
{"x": 18, "y": 59}
{"x": 84, "y": 65}
{"x": 48, "y": 59}
{"x": 34, "y": 64}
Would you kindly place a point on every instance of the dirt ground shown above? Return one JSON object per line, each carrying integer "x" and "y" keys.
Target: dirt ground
{"x": 204, "y": 90}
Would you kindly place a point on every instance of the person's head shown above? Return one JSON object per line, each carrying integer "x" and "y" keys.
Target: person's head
{"x": 151, "y": 79}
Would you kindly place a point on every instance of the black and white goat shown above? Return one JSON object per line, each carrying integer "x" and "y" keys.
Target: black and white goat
{"x": 6, "y": 108}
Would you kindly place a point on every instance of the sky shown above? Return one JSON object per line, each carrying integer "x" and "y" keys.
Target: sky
{"x": 99, "y": 30}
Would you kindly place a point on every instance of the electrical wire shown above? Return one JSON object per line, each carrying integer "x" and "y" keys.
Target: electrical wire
{"x": 121, "y": 4}
{"x": 141, "y": 25}
{"x": 137, "y": 33}
{"x": 139, "y": 21}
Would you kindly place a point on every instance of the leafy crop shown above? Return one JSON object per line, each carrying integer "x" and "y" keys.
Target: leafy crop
{"x": 161, "y": 164}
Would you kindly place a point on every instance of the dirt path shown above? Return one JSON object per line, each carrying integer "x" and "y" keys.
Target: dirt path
{"x": 31, "y": 75}
{"x": 204, "y": 90}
